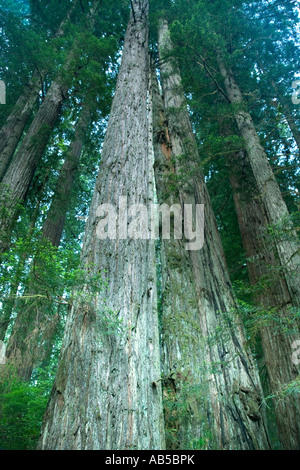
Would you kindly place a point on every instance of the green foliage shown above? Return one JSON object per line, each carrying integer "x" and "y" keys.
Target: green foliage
{"x": 22, "y": 406}
{"x": 286, "y": 390}
{"x": 185, "y": 402}
{"x": 54, "y": 275}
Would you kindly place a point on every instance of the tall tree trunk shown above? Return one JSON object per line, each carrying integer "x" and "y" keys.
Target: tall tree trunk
{"x": 287, "y": 112}
{"x": 13, "y": 128}
{"x": 55, "y": 221}
{"x": 276, "y": 262}
{"x": 17, "y": 179}
{"x": 235, "y": 394}
{"x": 107, "y": 392}
{"x": 285, "y": 256}
{"x": 184, "y": 386}
{"x": 284, "y": 102}
{"x": 287, "y": 247}
{"x": 272, "y": 297}
{"x": 30, "y": 339}
{"x": 8, "y": 303}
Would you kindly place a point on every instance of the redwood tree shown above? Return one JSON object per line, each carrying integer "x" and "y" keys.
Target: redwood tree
{"x": 233, "y": 381}
{"x": 110, "y": 353}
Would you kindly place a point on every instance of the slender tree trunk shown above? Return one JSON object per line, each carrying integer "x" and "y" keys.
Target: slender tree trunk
{"x": 184, "y": 386}
{"x": 287, "y": 112}
{"x": 30, "y": 338}
{"x": 287, "y": 247}
{"x": 272, "y": 297}
{"x": 17, "y": 180}
{"x": 285, "y": 256}
{"x": 12, "y": 130}
{"x": 107, "y": 392}
{"x": 8, "y": 303}
{"x": 235, "y": 394}
{"x": 55, "y": 221}
{"x": 285, "y": 104}
{"x": 18, "y": 177}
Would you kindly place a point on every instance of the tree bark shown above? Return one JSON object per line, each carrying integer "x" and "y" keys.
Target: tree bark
{"x": 18, "y": 177}
{"x": 235, "y": 394}
{"x": 107, "y": 392}
{"x": 12, "y": 130}
{"x": 184, "y": 390}
{"x": 9, "y": 302}
{"x": 272, "y": 296}
{"x": 278, "y": 262}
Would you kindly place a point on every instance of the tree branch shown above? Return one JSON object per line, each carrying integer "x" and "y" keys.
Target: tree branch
{"x": 206, "y": 67}
{"x": 82, "y": 7}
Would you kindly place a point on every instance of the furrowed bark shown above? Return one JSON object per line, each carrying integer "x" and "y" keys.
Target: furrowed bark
{"x": 235, "y": 394}
{"x": 272, "y": 297}
{"x": 107, "y": 392}
{"x": 184, "y": 385}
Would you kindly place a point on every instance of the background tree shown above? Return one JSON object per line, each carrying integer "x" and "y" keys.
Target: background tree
{"x": 226, "y": 31}
{"x": 230, "y": 370}
{"x": 12, "y": 129}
